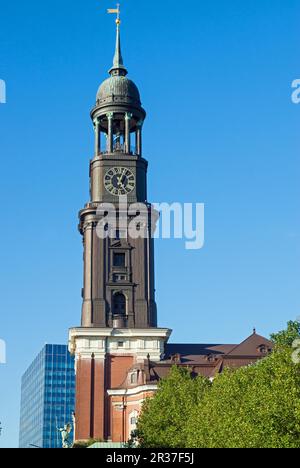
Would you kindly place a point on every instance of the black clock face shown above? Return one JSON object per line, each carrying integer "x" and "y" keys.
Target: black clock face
{"x": 119, "y": 181}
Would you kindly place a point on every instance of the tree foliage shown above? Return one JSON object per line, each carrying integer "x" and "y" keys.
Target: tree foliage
{"x": 256, "y": 406}
{"x": 165, "y": 418}
{"x": 288, "y": 336}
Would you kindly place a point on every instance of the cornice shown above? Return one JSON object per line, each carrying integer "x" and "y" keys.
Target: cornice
{"x": 132, "y": 391}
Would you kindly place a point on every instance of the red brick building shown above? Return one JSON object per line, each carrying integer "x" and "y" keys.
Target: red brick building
{"x": 121, "y": 354}
{"x": 118, "y": 369}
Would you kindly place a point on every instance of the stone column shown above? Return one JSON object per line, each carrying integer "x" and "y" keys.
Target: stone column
{"x": 97, "y": 136}
{"x": 139, "y": 138}
{"x": 110, "y": 117}
{"x": 128, "y": 118}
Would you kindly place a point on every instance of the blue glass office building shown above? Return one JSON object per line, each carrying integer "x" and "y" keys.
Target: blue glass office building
{"x": 47, "y": 397}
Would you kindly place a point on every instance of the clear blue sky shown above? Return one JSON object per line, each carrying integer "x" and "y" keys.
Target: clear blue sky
{"x": 215, "y": 79}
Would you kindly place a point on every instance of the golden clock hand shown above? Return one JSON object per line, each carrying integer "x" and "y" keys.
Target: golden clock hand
{"x": 122, "y": 177}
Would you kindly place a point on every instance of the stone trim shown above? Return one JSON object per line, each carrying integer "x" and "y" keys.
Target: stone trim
{"x": 132, "y": 391}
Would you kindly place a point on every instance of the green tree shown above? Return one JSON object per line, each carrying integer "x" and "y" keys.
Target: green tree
{"x": 288, "y": 336}
{"x": 257, "y": 406}
{"x": 165, "y": 418}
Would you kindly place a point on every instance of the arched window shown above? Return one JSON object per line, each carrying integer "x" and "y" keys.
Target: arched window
{"x": 133, "y": 419}
{"x": 133, "y": 377}
{"x": 119, "y": 304}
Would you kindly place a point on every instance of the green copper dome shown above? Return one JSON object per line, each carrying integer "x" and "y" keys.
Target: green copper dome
{"x": 118, "y": 89}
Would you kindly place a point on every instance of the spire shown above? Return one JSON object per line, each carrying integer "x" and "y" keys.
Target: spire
{"x": 118, "y": 64}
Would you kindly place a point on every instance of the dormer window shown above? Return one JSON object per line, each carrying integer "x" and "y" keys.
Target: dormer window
{"x": 176, "y": 358}
{"x": 211, "y": 358}
{"x": 263, "y": 349}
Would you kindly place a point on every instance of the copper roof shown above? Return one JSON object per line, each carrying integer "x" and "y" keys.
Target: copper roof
{"x": 207, "y": 360}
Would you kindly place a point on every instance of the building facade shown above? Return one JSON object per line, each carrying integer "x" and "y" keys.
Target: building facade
{"x": 47, "y": 397}
{"x": 120, "y": 352}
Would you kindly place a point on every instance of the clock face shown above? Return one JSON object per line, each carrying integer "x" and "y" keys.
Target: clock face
{"x": 119, "y": 181}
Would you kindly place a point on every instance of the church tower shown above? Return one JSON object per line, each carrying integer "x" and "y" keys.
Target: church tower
{"x": 118, "y": 332}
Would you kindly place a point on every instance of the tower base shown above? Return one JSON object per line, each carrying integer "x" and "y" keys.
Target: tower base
{"x": 113, "y": 378}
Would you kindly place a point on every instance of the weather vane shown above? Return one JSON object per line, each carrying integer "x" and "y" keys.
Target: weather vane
{"x": 115, "y": 11}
